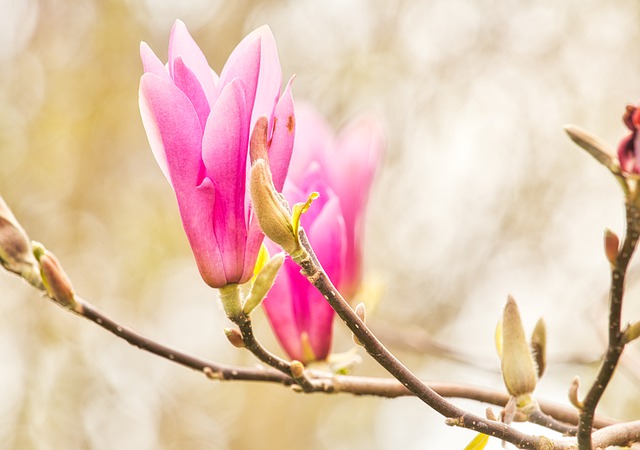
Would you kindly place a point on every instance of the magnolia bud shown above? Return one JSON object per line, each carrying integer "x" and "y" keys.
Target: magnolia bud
{"x": 594, "y": 146}
{"x": 16, "y": 253}
{"x": 611, "y": 245}
{"x": 539, "y": 346}
{"x": 518, "y": 369}
{"x": 271, "y": 210}
{"x": 55, "y": 279}
{"x": 297, "y": 369}
{"x": 361, "y": 312}
{"x": 574, "y": 387}
{"x": 631, "y": 332}
{"x": 234, "y": 337}
{"x": 270, "y": 207}
{"x": 262, "y": 283}
{"x": 490, "y": 414}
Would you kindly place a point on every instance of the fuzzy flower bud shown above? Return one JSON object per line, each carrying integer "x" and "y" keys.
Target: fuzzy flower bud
{"x": 518, "y": 368}
{"x": 611, "y": 246}
{"x": 271, "y": 210}
{"x": 16, "y": 254}
{"x": 539, "y": 346}
{"x": 234, "y": 337}
{"x": 56, "y": 281}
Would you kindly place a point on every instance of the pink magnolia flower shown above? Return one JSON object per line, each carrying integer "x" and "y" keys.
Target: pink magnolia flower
{"x": 341, "y": 169}
{"x": 630, "y": 144}
{"x": 198, "y": 125}
{"x": 349, "y": 163}
{"x": 300, "y": 316}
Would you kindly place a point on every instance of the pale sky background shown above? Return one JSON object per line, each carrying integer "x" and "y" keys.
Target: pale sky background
{"x": 481, "y": 195}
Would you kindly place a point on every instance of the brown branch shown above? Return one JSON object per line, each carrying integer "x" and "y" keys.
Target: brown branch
{"x": 538, "y": 417}
{"x": 616, "y": 343}
{"x": 212, "y": 369}
{"x": 253, "y": 345}
{"x": 457, "y": 416}
{"x": 622, "y": 434}
{"x": 392, "y": 388}
{"x": 321, "y": 382}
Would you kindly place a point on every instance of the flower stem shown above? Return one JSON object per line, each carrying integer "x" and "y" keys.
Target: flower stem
{"x": 616, "y": 343}
{"x": 316, "y": 276}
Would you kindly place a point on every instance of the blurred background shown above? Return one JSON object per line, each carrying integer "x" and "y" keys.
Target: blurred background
{"x": 481, "y": 195}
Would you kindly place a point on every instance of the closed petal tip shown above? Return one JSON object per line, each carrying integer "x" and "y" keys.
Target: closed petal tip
{"x": 182, "y": 44}
{"x": 151, "y": 63}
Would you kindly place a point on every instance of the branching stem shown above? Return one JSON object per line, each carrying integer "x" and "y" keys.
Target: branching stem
{"x": 316, "y": 276}
{"x": 616, "y": 344}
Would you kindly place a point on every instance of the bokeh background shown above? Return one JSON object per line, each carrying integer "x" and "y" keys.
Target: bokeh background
{"x": 481, "y": 195}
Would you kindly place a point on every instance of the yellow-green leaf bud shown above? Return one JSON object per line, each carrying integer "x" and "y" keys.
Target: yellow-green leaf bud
{"x": 56, "y": 281}
{"x": 262, "y": 283}
{"x": 539, "y": 346}
{"x": 518, "y": 368}
{"x": 271, "y": 210}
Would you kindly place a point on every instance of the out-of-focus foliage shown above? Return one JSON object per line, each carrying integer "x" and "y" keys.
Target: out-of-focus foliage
{"x": 482, "y": 195}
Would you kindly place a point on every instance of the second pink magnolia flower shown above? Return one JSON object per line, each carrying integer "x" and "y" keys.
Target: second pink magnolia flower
{"x": 198, "y": 125}
{"x": 341, "y": 169}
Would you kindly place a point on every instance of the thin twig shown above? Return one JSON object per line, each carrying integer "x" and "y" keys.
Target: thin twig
{"x": 616, "y": 344}
{"x": 211, "y": 369}
{"x": 391, "y": 388}
{"x": 254, "y": 346}
{"x": 623, "y": 435}
{"x": 321, "y": 382}
{"x": 540, "y": 418}
{"x": 458, "y": 417}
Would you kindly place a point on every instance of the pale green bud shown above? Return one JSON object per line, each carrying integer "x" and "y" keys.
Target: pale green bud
{"x": 297, "y": 369}
{"x": 262, "y": 283}
{"x": 539, "y": 346}
{"x": 56, "y": 281}
{"x": 574, "y": 388}
{"x": 518, "y": 368}
{"x": 594, "y": 146}
{"x": 361, "y": 312}
{"x": 271, "y": 209}
{"x": 631, "y": 332}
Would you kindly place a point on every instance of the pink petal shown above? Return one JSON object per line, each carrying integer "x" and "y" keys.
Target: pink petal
{"x": 173, "y": 130}
{"x": 270, "y": 81}
{"x": 279, "y": 309}
{"x": 282, "y": 138}
{"x": 151, "y": 63}
{"x": 187, "y": 82}
{"x": 243, "y": 63}
{"x": 224, "y": 152}
{"x": 312, "y": 141}
{"x": 327, "y": 237}
{"x": 357, "y": 155}
{"x": 197, "y": 212}
{"x": 182, "y": 45}
{"x": 175, "y": 136}
{"x": 255, "y": 60}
